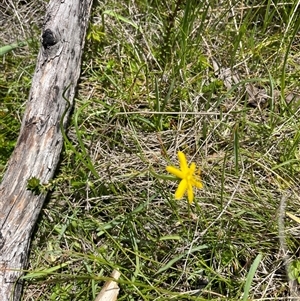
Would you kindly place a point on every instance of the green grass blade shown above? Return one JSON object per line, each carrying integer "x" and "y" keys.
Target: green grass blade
{"x": 236, "y": 148}
{"x": 119, "y": 17}
{"x": 7, "y": 48}
{"x": 177, "y": 258}
{"x": 250, "y": 276}
{"x": 45, "y": 272}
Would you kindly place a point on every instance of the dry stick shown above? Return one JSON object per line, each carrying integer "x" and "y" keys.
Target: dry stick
{"x": 110, "y": 289}
{"x": 283, "y": 246}
{"x": 40, "y": 141}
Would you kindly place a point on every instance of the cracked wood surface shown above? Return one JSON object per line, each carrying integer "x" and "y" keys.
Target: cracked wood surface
{"x": 40, "y": 140}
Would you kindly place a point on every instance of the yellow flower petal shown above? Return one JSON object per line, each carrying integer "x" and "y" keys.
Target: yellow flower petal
{"x": 183, "y": 163}
{"x": 190, "y": 193}
{"x": 198, "y": 184}
{"x": 178, "y": 173}
{"x": 192, "y": 168}
{"x": 180, "y": 191}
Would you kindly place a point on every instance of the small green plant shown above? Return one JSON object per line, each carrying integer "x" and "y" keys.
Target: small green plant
{"x": 34, "y": 185}
{"x": 294, "y": 270}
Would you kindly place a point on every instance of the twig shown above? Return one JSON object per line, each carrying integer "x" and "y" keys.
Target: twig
{"x": 110, "y": 289}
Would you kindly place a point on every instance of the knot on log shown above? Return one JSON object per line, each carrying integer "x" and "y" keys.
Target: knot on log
{"x": 48, "y": 38}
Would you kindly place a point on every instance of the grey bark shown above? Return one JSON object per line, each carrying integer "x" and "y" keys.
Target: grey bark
{"x": 40, "y": 140}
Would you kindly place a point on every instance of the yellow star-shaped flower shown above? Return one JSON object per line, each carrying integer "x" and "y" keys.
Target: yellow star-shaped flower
{"x": 188, "y": 179}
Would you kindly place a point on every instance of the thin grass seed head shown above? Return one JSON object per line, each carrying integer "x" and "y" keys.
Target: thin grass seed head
{"x": 187, "y": 176}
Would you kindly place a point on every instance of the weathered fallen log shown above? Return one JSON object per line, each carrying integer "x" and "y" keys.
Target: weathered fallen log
{"x": 40, "y": 141}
